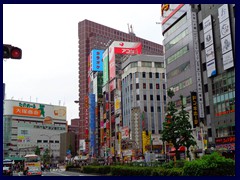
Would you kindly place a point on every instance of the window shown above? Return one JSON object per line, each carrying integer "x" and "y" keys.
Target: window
{"x": 150, "y": 75}
{"x": 178, "y": 54}
{"x": 152, "y": 109}
{"x": 145, "y": 108}
{"x": 51, "y": 141}
{"x": 138, "y": 97}
{"x": 151, "y": 97}
{"x": 130, "y": 86}
{"x": 144, "y": 75}
{"x": 144, "y": 97}
{"x": 146, "y": 64}
{"x": 175, "y": 40}
{"x": 56, "y": 141}
{"x": 144, "y": 85}
{"x": 137, "y": 85}
{"x": 157, "y": 75}
{"x": 163, "y": 75}
{"x": 39, "y": 141}
{"x": 158, "y": 109}
{"x": 157, "y": 86}
{"x": 163, "y": 86}
{"x": 159, "y": 65}
{"x": 158, "y": 97}
{"x": 45, "y": 141}
{"x": 150, "y": 86}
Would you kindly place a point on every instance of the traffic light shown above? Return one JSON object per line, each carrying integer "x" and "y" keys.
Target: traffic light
{"x": 12, "y": 52}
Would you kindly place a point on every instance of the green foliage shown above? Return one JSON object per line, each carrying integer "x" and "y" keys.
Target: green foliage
{"x": 167, "y": 172}
{"x": 177, "y": 128}
{"x": 131, "y": 171}
{"x": 46, "y": 156}
{"x": 97, "y": 169}
{"x": 210, "y": 165}
{"x": 37, "y": 151}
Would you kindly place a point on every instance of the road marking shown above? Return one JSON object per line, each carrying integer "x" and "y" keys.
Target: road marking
{"x": 59, "y": 174}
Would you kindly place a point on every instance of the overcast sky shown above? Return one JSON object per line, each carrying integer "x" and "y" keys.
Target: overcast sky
{"x": 48, "y": 37}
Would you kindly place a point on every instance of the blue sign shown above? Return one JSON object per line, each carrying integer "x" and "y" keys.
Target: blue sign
{"x": 92, "y": 120}
{"x": 96, "y": 60}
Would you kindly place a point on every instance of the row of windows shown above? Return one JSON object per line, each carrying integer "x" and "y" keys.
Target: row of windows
{"x": 144, "y": 75}
{"x": 178, "y": 70}
{"x": 144, "y": 85}
{"x": 151, "y": 97}
{"x": 178, "y": 54}
{"x": 182, "y": 21}
{"x": 175, "y": 40}
{"x": 226, "y": 131}
{"x": 181, "y": 85}
{"x": 47, "y": 141}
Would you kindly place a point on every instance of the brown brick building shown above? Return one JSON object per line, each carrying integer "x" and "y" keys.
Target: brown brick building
{"x": 92, "y": 35}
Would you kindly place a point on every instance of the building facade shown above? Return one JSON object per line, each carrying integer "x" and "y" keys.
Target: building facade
{"x": 29, "y": 124}
{"x": 200, "y": 68}
{"x": 96, "y": 36}
{"x": 143, "y": 95}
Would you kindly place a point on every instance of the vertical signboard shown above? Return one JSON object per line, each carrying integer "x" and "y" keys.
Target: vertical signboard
{"x": 105, "y": 66}
{"x": 112, "y": 68}
{"x": 209, "y": 46}
{"x": 92, "y": 121}
{"x": 225, "y": 34}
{"x": 197, "y": 65}
{"x": 86, "y": 105}
{"x": 96, "y": 60}
{"x": 194, "y": 109}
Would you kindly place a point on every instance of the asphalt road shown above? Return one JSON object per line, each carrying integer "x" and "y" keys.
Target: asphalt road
{"x": 58, "y": 173}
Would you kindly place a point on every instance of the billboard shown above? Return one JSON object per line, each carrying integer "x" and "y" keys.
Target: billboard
{"x": 92, "y": 119}
{"x": 121, "y": 47}
{"x": 226, "y": 39}
{"x": 31, "y": 109}
{"x": 194, "y": 109}
{"x": 96, "y": 60}
{"x": 105, "y": 66}
{"x": 125, "y": 132}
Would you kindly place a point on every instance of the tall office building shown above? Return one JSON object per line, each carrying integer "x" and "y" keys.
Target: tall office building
{"x": 96, "y": 36}
{"x": 199, "y": 41}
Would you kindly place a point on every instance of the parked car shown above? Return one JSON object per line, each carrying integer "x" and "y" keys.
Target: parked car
{"x": 7, "y": 167}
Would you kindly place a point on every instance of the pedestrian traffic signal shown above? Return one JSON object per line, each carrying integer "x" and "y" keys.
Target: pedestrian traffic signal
{"x": 12, "y": 52}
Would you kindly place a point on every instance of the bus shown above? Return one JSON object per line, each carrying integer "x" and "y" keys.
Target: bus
{"x": 32, "y": 165}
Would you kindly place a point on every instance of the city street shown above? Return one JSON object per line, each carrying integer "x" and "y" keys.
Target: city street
{"x": 58, "y": 173}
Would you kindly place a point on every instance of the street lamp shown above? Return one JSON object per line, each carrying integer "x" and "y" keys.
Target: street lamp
{"x": 49, "y": 143}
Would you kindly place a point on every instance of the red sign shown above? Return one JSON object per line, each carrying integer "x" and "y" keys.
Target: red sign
{"x": 225, "y": 140}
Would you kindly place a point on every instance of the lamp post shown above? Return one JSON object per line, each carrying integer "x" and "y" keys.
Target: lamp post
{"x": 49, "y": 144}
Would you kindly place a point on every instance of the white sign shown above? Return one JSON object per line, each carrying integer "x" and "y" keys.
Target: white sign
{"x": 223, "y": 13}
{"x": 211, "y": 68}
{"x": 228, "y": 60}
{"x": 224, "y": 28}
{"x": 226, "y": 44}
{"x": 208, "y": 38}
{"x": 209, "y": 53}
{"x": 207, "y": 24}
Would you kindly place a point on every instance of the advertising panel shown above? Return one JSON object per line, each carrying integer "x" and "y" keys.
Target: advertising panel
{"x": 105, "y": 66}
{"x": 225, "y": 33}
{"x": 197, "y": 65}
{"x": 31, "y": 109}
{"x": 125, "y": 132}
{"x": 121, "y": 47}
{"x": 82, "y": 145}
{"x": 86, "y": 105}
{"x": 156, "y": 139}
{"x": 209, "y": 46}
{"x": 92, "y": 120}
{"x": 96, "y": 60}
{"x": 194, "y": 109}
{"x": 112, "y": 67}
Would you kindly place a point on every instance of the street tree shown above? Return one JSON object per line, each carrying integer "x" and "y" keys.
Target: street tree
{"x": 37, "y": 151}
{"x": 177, "y": 128}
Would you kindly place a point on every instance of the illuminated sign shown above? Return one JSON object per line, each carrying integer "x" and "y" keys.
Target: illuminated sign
{"x": 164, "y": 7}
{"x": 225, "y": 140}
{"x": 194, "y": 109}
{"x": 96, "y": 60}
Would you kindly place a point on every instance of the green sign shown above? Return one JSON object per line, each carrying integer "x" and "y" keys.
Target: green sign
{"x": 105, "y": 67}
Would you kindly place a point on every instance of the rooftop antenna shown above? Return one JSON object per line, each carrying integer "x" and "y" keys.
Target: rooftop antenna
{"x": 130, "y": 30}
